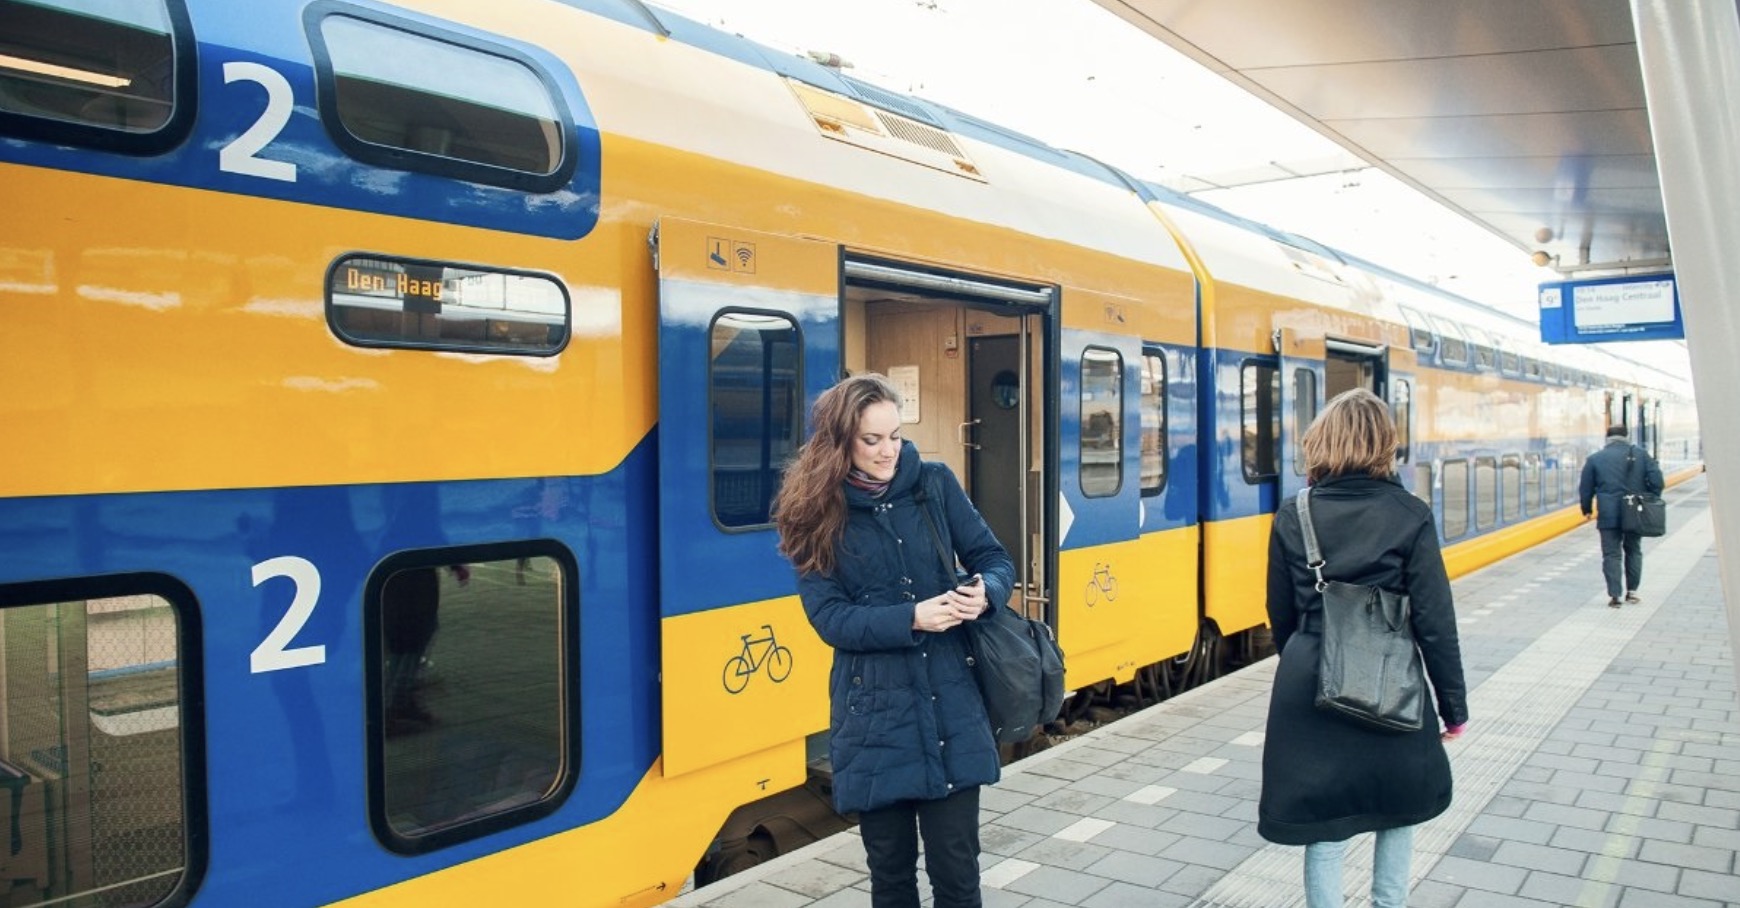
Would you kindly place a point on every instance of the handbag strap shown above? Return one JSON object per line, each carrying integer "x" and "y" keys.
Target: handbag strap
{"x": 924, "y": 496}
{"x": 1630, "y": 468}
{"x": 1313, "y": 555}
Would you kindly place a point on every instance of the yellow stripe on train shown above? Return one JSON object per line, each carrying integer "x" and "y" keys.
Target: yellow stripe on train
{"x": 639, "y": 855}
{"x": 1125, "y": 605}
{"x": 740, "y": 680}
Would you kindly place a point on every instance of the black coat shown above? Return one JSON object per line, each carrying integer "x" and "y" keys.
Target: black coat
{"x": 1607, "y": 477}
{"x": 905, "y": 714}
{"x": 1324, "y": 778}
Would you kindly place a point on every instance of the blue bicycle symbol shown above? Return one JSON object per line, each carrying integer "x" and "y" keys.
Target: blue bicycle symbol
{"x": 757, "y": 651}
{"x": 1102, "y": 582}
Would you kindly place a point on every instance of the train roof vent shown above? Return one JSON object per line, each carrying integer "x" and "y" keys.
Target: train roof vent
{"x": 849, "y": 120}
{"x": 888, "y": 100}
{"x": 1312, "y": 264}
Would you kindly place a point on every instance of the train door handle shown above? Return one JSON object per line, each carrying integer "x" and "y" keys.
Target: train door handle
{"x": 961, "y": 433}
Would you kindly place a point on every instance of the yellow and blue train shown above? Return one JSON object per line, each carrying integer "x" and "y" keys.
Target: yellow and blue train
{"x": 394, "y": 393}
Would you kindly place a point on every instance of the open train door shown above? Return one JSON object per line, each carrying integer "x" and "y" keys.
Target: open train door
{"x": 748, "y": 337}
{"x": 1301, "y": 360}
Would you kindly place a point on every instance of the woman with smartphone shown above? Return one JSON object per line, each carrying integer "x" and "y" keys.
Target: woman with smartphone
{"x": 910, "y": 742}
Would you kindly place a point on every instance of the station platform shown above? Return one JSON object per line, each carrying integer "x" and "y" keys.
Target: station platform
{"x": 1601, "y": 768}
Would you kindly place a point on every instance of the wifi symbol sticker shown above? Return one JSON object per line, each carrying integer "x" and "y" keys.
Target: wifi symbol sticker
{"x": 742, "y": 257}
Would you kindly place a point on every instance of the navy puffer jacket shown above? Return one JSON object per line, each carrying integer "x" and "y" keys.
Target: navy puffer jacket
{"x": 906, "y": 719}
{"x": 1610, "y": 473}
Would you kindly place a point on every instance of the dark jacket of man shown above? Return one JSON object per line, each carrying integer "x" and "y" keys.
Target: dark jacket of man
{"x": 1325, "y": 778}
{"x": 907, "y": 719}
{"x": 1607, "y": 476}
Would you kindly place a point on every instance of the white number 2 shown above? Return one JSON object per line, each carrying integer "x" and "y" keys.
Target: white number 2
{"x": 240, "y": 155}
{"x": 274, "y": 652}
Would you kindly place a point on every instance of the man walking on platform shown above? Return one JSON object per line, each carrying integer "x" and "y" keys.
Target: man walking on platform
{"x": 1619, "y": 469}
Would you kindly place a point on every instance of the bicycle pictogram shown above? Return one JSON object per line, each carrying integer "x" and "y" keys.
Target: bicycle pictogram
{"x": 757, "y": 651}
{"x": 1102, "y": 582}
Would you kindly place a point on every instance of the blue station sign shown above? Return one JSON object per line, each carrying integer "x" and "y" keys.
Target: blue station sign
{"x": 1602, "y": 310}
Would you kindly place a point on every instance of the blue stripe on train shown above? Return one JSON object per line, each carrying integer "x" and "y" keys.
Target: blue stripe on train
{"x": 286, "y": 749}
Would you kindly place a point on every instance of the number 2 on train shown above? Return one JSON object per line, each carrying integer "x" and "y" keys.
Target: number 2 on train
{"x": 275, "y": 652}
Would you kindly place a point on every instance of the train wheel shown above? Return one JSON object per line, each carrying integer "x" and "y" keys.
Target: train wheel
{"x": 736, "y": 857}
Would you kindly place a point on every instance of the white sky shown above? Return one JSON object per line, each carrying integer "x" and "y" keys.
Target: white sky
{"x": 1077, "y": 77}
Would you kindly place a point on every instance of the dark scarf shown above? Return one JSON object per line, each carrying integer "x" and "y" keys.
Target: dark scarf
{"x": 859, "y": 479}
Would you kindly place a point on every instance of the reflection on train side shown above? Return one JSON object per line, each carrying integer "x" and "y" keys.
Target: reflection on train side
{"x": 92, "y": 752}
{"x": 473, "y": 721}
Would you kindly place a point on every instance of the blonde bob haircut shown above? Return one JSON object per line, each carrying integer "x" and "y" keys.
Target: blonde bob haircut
{"x": 1353, "y": 435}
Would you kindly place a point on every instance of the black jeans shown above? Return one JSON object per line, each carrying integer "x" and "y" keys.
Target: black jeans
{"x": 1618, "y": 546}
{"x": 950, "y": 827}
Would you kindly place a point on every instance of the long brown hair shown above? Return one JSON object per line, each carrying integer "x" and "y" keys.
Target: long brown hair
{"x": 810, "y": 509}
{"x": 1353, "y": 434}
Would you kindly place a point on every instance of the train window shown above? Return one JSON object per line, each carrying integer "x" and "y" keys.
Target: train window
{"x": 1420, "y": 335}
{"x": 408, "y": 97}
{"x": 1532, "y": 368}
{"x": 1304, "y": 412}
{"x": 452, "y": 755}
{"x": 1484, "y": 357}
{"x": 1510, "y": 486}
{"x": 754, "y": 384}
{"x": 117, "y": 75}
{"x": 1102, "y": 422}
{"x": 1509, "y": 362}
{"x": 391, "y": 302}
{"x": 1402, "y": 411}
{"x": 1485, "y": 492}
{"x": 101, "y": 741}
{"x": 1452, "y": 347}
{"x": 1455, "y": 351}
{"x": 1550, "y": 491}
{"x": 1153, "y": 413}
{"x": 1531, "y": 478}
{"x": 1422, "y": 487}
{"x": 1260, "y": 420}
{"x": 1455, "y": 473}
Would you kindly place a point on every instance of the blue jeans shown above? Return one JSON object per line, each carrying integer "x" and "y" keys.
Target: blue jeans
{"x": 1389, "y": 870}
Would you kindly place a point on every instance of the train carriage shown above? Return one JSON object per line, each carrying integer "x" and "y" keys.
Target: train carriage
{"x": 396, "y": 394}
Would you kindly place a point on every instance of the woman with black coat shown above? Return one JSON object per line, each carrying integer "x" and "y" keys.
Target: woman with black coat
{"x": 910, "y": 742}
{"x": 1326, "y": 779}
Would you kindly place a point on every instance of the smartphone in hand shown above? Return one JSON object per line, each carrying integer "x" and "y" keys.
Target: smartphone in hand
{"x": 972, "y": 581}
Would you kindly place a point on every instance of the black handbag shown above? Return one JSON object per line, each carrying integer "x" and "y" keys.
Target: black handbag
{"x": 1369, "y": 668}
{"x": 1015, "y": 659}
{"x": 1643, "y": 513}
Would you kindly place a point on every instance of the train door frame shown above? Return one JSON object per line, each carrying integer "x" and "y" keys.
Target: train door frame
{"x": 965, "y": 309}
{"x": 1373, "y": 360}
{"x": 1313, "y": 372}
{"x": 1300, "y": 359}
{"x": 1403, "y": 372}
{"x": 725, "y": 594}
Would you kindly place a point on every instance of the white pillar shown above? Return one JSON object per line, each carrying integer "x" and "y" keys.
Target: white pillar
{"x": 1690, "y": 57}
